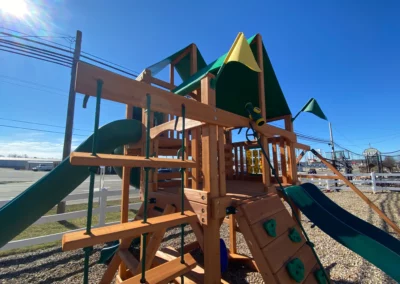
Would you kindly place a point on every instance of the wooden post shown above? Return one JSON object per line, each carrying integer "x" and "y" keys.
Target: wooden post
{"x": 126, "y": 176}
{"x": 283, "y": 159}
{"x": 241, "y": 162}
{"x": 232, "y": 234}
{"x": 291, "y": 152}
{"x": 236, "y": 163}
{"x": 212, "y": 265}
{"x": 261, "y": 99}
{"x": 71, "y": 108}
{"x": 275, "y": 157}
{"x": 195, "y": 143}
{"x": 221, "y": 161}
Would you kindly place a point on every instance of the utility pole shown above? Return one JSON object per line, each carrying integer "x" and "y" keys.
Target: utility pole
{"x": 71, "y": 108}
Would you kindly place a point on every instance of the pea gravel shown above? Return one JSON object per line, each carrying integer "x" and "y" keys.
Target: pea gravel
{"x": 54, "y": 266}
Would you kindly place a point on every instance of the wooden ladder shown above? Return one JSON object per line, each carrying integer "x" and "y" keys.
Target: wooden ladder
{"x": 273, "y": 253}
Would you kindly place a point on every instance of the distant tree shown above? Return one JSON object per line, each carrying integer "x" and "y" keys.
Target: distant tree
{"x": 389, "y": 163}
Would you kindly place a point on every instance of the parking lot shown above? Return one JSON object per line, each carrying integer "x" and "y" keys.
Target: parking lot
{"x": 13, "y": 182}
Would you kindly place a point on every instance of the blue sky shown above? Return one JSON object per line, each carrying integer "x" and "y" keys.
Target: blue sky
{"x": 343, "y": 53}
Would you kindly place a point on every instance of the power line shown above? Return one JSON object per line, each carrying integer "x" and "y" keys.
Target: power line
{"x": 37, "y": 130}
{"x": 110, "y": 62}
{"x": 27, "y": 46}
{"x": 40, "y": 54}
{"x": 42, "y": 124}
{"x": 105, "y": 64}
{"x": 51, "y": 61}
{"x": 33, "y": 83}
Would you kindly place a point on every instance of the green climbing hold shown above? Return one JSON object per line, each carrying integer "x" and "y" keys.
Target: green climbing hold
{"x": 320, "y": 276}
{"x": 294, "y": 235}
{"x": 270, "y": 227}
{"x": 296, "y": 269}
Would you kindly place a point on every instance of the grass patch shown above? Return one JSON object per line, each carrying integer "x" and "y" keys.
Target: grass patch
{"x": 66, "y": 225}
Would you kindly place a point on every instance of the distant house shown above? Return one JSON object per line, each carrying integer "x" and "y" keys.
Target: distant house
{"x": 25, "y": 163}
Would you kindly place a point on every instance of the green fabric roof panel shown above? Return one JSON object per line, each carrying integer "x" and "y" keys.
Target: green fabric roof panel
{"x": 238, "y": 85}
{"x": 183, "y": 66}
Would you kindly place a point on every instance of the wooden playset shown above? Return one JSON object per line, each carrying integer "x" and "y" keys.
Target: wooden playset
{"x": 219, "y": 180}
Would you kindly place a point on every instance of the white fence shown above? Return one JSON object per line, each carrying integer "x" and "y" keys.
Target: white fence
{"x": 370, "y": 181}
{"x": 102, "y": 196}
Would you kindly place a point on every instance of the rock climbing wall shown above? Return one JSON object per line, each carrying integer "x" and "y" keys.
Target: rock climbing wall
{"x": 277, "y": 243}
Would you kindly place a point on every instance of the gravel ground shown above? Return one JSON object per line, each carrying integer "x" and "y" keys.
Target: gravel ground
{"x": 344, "y": 266}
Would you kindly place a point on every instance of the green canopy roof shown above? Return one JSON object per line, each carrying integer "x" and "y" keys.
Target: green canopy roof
{"x": 236, "y": 85}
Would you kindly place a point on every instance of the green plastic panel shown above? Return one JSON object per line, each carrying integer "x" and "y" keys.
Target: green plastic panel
{"x": 372, "y": 244}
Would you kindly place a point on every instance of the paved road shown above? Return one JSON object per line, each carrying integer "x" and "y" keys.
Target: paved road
{"x": 13, "y": 182}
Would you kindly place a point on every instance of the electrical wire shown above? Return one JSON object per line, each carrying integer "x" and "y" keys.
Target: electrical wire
{"x": 40, "y": 54}
{"x": 27, "y": 46}
{"x": 105, "y": 64}
{"x": 55, "y": 62}
{"x": 87, "y": 53}
{"x": 38, "y": 130}
{"x": 42, "y": 124}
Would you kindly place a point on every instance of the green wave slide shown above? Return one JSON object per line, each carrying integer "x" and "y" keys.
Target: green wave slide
{"x": 39, "y": 198}
{"x": 373, "y": 244}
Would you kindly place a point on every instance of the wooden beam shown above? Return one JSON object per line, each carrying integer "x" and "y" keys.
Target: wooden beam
{"x": 124, "y": 90}
{"x": 221, "y": 161}
{"x": 236, "y": 162}
{"x": 80, "y": 239}
{"x": 162, "y": 83}
{"x": 111, "y": 270}
{"x": 170, "y": 125}
{"x": 86, "y": 159}
{"x": 126, "y": 173}
{"x": 155, "y": 242}
{"x": 241, "y": 163}
{"x": 182, "y": 55}
{"x": 358, "y": 192}
{"x": 130, "y": 261}
{"x": 232, "y": 233}
{"x": 291, "y": 152}
{"x": 166, "y": 272}
{"x": 304, "y": 147}
{"x": 212, "y": 265}
{"x": 262, "y": 103}
{"x": 275, "y": 157}
{"x": 319, "y": 176}
{"x": 298, "y": 159}
{"x": 283, "y": 160}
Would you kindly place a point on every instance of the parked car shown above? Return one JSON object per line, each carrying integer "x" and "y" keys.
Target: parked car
{"x": 312, "y": 171}
{"x": 164, "y": 170}
{"x": 43, "y": 167}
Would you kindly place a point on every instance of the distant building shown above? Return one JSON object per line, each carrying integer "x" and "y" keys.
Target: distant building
{"x": 25, "y": 163}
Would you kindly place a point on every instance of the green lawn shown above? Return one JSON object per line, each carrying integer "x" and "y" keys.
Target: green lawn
{"x": 62, "y": 226}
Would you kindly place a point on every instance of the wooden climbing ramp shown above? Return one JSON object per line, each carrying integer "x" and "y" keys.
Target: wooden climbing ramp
{"x": 279, "y": 249}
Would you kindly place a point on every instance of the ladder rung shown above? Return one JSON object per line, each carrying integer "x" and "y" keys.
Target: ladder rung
{"x": 166, "y": 272}
{"x": 86, "y": 159}
{"x": 131, "y": 230}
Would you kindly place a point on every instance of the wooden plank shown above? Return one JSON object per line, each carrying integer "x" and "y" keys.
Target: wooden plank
{"x": 182, "y": 55}
{"x": 257, "y": 254}
{"x": 219, "y": 205}
{"x": 306, "y": 255}
{"x": 232, "y": 234}
{"x": 212, "y": 265}
{"x": 283, "y": 160}
{"x": 111, "y": 270}
{"x": 171, "y": 175}
{"x": 166, "y": 272}
{"x": 124, "y": 209}
{"x": 195, "y": 148}
{"x": 199, "y": 209}
{"x": 283, "y": 223}
{"x": 310, "y": 278}
{"x": 298, "y": 159}
{"x": 279, "y": 251}
{"x": 242, "y": 159}
{"x": 125, "y": 90}
{"x": 358, "y": 192}
{"x": 86, "y": 159}
{"x": 262, "y": 209}
{"x": 319, "y": 176}
{"x": 170, "y": 125}
{"x": 221, "y": 161}
{"x": 291, "y": 152}
{"x": 131, "y": 230}
{"x": 275, "y": 157}
{"x": 236, "y": 163}
{"x": 130, "y": 261}
{"x": 154, "y": 243}
{"x": 162, "y": 83}
{"x": 304, "y": 147}
{"x": 243, "y": 259}
{"x": 199, "y": 196}
{"x": 198, "y": 231}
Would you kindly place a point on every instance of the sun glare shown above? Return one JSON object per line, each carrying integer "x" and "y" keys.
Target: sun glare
{"x": 17, "y": 8}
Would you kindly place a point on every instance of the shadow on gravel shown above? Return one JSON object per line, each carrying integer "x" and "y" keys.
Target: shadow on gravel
{"x": 65, "y": 276}
{"x": 30, "y": 258}
{"x": 42, "y": 267}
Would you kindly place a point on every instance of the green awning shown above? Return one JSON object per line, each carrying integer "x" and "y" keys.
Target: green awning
{"x": 238, "y": 85}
